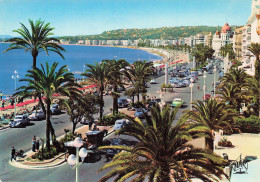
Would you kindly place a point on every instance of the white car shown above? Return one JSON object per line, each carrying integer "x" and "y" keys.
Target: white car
{"x": 120, "y": 123}
{"x": 153, "y": 81}
{"x": 37, "y": 115}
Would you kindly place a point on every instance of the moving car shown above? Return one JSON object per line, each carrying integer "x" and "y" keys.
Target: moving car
{"x": 120, "y": 123}
{"x": 140, "y": 113}
{"x": 122, "y": 102}
{"x": 153, "y": 81}
{"x": 110, "y": 153}
{"x": 177, "y": 102}
{"x": 37, "y": 115}
{"x": 20, "y": 120}
{"x": 55, "y": 109}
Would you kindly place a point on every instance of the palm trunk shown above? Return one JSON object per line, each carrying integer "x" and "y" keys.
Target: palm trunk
{"x": 101, "y": 104}
{"x": 34, "y": 62}
{"x": 209, "y": 143}
{"x": 48, "y": 123}
{"x": 53, "y": 136}
{"x": 115, "y": 102}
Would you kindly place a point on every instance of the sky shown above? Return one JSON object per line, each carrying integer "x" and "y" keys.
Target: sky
{"x": 90, "y": 17}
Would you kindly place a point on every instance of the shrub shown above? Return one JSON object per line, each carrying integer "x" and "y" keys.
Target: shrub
{"x": 248, "y": 125}
{"x": 109, "y": 120}
{"x": 225, "y": 142}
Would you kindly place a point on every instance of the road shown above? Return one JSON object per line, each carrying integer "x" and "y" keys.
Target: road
{"x": 21, "y": 139}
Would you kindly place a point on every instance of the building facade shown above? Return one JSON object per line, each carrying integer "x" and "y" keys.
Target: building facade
{"x": 222, "y": 38}
{"x": 237, "y": 43}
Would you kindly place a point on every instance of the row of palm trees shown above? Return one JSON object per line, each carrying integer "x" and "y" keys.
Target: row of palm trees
{"x": 45, "y": 82}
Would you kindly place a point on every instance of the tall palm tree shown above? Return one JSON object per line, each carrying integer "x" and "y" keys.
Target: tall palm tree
{"x": 36, "y": 40}
{"x": 162, "y": 153}
{"x": 115, "y": 78}
{"x": 98, "y": 74}
{"x": 139, "y": 73}
{"x": 48, "y": 81}
{"x": 255, "y": 49}
{"x": 214, "y": 114}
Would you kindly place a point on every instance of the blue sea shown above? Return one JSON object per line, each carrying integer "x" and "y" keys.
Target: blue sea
{"x": 76, "y": 57}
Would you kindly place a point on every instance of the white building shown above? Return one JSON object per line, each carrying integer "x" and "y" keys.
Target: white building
{"x": 250, "y": 34}
{"x": 222, "y": 38}
{"x": 88, "y": 42}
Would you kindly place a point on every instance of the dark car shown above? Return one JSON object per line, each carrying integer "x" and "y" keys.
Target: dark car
{"x": 110, "y": 153}
{"x": 55, "y": 109}
{"x": 140, "y": 112}
{"x": 123, "y": 102}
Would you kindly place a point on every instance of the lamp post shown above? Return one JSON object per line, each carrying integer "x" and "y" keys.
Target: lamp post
{"x": 204, "y": 86}
{"x": 191, "y": 86}
{"x": 83, "y": 71}
{"x": 215, "y": 70}
{"x": 15, "y": 76}
{"x": 73, "y": 160}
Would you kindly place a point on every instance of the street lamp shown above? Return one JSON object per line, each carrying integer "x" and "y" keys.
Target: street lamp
{"x": 215, "y": 69}
{"x": 83, "y": 71}
{"x": 191, "y": 86}
{"x": 73, "y": 160}
{"x": 204, "y": 86}
{"x": 15, "y": 76}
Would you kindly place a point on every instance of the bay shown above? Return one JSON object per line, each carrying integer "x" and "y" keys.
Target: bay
{"x": 76, "y": 57}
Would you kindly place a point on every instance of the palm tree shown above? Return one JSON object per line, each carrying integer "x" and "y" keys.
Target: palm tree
{"x": 35, "y": 41}
{"x": 115, "y": 78}
{"x": 98, "y": 74}
{"x": 237, "y": 77}
{"x": 255, "y": 49}
{"x": 214, "y": 114}
{"x": 48, "y": 81}
{"x": 139, "y": 73}
{"x": 231, "y": 94}
{"x": 162, "y": 153}
{"x": 253, "y": 91}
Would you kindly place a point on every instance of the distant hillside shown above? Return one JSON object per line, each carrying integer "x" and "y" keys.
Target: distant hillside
{"x": 148, "y": 33}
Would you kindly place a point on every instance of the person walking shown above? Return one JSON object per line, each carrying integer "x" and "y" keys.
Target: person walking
{"x": 33, "y": 143}
{"x": 37, "y": 144}
{"x": 13, "y": 154}
{"x": 198, "y": 86}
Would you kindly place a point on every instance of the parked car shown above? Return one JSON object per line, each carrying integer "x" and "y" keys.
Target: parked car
{"x": 120, "y": 123}
{"x": 186, "y": 82}
{"x": 37, "y": 115}
{"x": 110, "y": 153}
{"x": 153, "y": 81}
{"x": 20, "y": 120}
{"x": 123, "y": 102}
{"x": 153, "y": 102}
{"x": 55, "y": 109}
{"x": 210, "y": 72}
{"x": 140, "y": 112}
{"x": 177, "y": 102}
{"x": 200, "y": 73}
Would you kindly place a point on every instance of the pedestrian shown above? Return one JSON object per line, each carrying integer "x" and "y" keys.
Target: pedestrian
{"x": 33, "y": 143}
{"x": 212, "y": 84}
{"x": 37, "y": 144}
{"x": 13, "y": 154}
{"x": 198, "y": 87}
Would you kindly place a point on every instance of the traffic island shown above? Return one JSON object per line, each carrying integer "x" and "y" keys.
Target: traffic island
{"x": 28, "y": 163}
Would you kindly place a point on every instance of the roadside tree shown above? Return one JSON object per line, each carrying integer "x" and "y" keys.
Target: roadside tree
{"x": 47, "y": 82}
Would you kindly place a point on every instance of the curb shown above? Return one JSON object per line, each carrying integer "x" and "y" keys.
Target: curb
{"x": 23, "y": 166}
{"x": 3, "y": 128}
